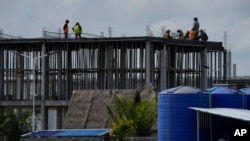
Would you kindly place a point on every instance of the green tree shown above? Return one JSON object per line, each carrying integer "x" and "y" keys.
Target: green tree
{"x": 14, "y": 124}
{"x": 132, "y": 117}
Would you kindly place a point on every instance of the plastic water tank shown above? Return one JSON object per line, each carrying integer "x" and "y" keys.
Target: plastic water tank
{"x": 222, "y": 97}
{"x": 246, "y": 94}
{"x": 176, "y": 122}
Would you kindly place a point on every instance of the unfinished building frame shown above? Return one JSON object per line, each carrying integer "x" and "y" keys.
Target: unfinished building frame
{"x": 102, "y": 63}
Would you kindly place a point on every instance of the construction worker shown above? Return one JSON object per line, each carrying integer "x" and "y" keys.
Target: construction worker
{"x": 66, "y": 29}
{"x": 167, "y": 34}
{"x": 196, "y": 26}
{"x": 186, "y": 36}
{"x": 203, "y": 35}
{"x": 77, "y": 30}
{"x": 180, "y": 34}
{"x": 192, "y": 34}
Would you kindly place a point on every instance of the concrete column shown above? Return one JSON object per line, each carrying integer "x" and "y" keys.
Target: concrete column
{"x": 164, "y": 64}
{"x": 234, "y": 71}
{"x": 179, "y": 61}
{"x": 59, "y": 89}
{"x": 148, "y": 62}
{"x": 94, "y": 58}
{"x": 172, "y": 65}
{"x": 68, "y": 75}
{"x": 109, "y": 66}
{"x": 204, "y": 68}
{"x": 225, "y": 65}
{"x": 20, "y": 78}
{"x": 1, "y": 74}
{"x": 123, "y": 66}
{"x": 229, "y": 64}
{"x": 59, "y": 117}
{"x": 59, "y": 75}
{"x": 220, "y": 65}
{"x": 106, "y": 64}
{"x": 44, "y": 91}
{"x": 101, "y": 64}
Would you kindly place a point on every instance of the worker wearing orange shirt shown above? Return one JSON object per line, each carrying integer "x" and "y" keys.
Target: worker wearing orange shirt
{"x": 192, "y": 34}
{"x": 66, "y": 29}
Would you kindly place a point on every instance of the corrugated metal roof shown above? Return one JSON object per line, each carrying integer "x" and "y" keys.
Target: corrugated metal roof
{"x": 240, "y": 114}
{"x": 68, "y": 133}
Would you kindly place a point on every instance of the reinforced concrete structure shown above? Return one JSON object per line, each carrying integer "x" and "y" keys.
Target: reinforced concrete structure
{"x": 64, "y": 65}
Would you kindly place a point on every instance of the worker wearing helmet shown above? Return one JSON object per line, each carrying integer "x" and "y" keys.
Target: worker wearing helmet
{"x": 77, "y": 30}
{"x": 167, "y": 34}
{"x": 180, "y": 34}
{"x": 66, "y": 29}
{"x": 203, "y": 35}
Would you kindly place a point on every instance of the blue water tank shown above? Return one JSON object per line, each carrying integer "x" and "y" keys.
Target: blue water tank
{"x": 176, "y": 122}
{"x": 222, "y": 97}
{"x": 246, "y": 92}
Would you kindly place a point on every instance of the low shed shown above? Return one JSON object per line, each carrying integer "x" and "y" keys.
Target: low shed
{"x": 68, "y": 134}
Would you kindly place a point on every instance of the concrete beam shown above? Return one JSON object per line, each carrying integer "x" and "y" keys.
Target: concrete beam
{"x": 28, "y": 103}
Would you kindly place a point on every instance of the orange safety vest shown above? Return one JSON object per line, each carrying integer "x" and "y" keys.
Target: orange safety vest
{"x": 192, "y": 35}
{"x": 65, "y": 28}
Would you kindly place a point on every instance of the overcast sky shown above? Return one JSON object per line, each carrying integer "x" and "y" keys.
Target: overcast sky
{"x": 26, "y": 18}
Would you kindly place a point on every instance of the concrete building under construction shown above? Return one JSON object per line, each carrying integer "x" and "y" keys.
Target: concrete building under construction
{"x": 50, "y": 68}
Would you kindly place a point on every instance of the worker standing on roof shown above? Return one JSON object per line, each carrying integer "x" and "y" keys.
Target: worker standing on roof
{"x": 66, "y": 29}
{"x": 77, "y": 30}
{"x": 203, "y": 35}
{"x": 180, "y": 34}
{"x": 167, "y": 34}
{"x": 196, "y": 26}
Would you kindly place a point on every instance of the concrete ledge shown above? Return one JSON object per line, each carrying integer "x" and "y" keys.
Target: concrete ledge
{"x": 14, "y": 103}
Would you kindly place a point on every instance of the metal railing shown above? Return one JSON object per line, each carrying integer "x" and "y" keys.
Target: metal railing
{"x": 7, "y": 36}
{"x": 55, "y": 35}
{"x": 50, "y": 35}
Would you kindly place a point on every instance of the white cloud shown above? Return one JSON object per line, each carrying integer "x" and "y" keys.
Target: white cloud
{"x": 27, "y": 17}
